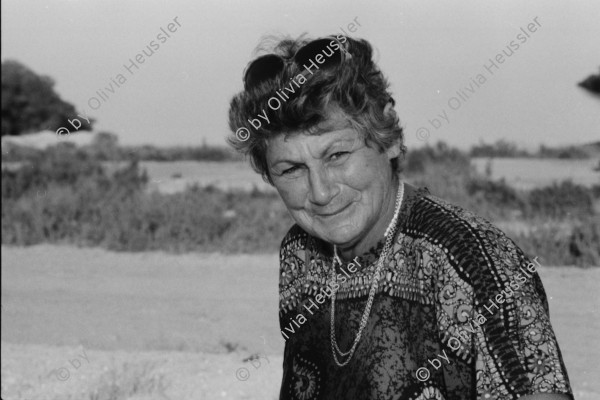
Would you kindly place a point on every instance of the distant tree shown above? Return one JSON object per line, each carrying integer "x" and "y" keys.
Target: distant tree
{"x": 591, "y": 84}
{"x": 502, "y": 148}
{"x": 30, "y": 104}
{"x": 418, "y": 160}
{"x": 105, "y": 146}
{"x": 568, "y": 152}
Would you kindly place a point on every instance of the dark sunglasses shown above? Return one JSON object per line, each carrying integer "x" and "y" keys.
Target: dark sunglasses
{"x": 269, "y": 66}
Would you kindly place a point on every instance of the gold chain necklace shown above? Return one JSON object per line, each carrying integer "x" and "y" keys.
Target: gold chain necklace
{"x": 389, "y": 234}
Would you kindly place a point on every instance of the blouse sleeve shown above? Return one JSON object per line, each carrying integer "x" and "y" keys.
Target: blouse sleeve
{"x": 498, "y": 317}
{"x": 292, "y": 267}
{"x": 291, "y": 271}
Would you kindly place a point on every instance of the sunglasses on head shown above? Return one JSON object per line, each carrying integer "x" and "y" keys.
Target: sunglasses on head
{"x": 267, "y": 67}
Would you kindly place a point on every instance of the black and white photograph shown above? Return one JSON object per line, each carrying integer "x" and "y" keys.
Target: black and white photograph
{"x": 312, "y": 200}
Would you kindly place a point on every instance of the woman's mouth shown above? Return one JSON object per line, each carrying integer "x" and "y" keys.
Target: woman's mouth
{"x": 332, "y": 213}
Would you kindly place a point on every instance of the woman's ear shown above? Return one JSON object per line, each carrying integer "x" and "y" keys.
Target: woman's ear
{"x": 388, "y": 110}
{"x": 394, "y": 150}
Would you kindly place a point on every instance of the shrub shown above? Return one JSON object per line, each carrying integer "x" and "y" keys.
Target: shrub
{"x": 496, "y": 195}
{"x": 561, "y": 200}
{"x": 580, "y": 247}
{"x": 65, "y": 196}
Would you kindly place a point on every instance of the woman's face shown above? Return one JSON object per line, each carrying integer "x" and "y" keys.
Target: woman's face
{"x": 335, "y": 187}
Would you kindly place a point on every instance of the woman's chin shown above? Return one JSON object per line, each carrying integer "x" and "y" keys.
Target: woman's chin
{"x": 339, "y": 235}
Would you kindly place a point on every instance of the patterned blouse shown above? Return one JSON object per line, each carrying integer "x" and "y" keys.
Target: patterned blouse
{"x": 460, "y": 313}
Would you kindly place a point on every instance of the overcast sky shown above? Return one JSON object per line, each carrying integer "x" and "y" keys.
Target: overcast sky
{"x": 428, "y": 50}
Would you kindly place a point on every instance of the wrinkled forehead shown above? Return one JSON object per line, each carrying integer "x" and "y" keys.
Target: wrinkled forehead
{"x": 300, "y": 146}
{"x": 335, "y": 121}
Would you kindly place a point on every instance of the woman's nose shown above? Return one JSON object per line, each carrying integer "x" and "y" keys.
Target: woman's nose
{"x": 322, "y": 188}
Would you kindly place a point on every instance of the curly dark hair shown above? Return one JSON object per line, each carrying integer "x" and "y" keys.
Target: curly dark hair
{"x": 357, "y": 87}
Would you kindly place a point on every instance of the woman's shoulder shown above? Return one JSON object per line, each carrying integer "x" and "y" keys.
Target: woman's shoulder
{"x": 292, "y": 254}
{"x": 473, "y": 249}
{"x": 295, "y": 239}
{"x": 450, "y": 226}
{"x": 301, "y": 267}
{"x": 297, "y": 243}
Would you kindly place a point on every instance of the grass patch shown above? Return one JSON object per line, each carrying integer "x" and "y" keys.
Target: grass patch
{"x": 128, "y": 381}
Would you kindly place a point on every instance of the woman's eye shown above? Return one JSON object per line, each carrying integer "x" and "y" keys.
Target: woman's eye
{"x": 290, "y": 170}
{"x": 338, "y": 155}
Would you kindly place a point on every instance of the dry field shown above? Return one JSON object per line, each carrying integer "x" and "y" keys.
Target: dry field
{"x": 88, "y": 324}
{"x": 157, "y": 326}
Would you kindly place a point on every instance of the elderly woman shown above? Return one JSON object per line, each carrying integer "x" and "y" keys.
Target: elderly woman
{"x": 386, "y": 292}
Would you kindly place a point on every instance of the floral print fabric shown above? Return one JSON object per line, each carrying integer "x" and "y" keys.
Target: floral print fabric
{"x": 459, "y": 314}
